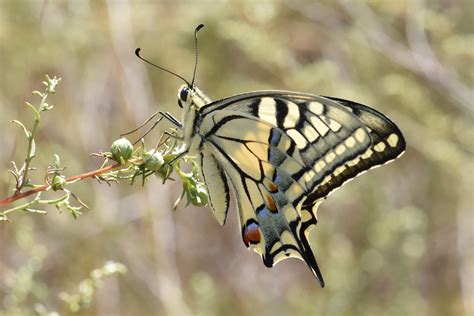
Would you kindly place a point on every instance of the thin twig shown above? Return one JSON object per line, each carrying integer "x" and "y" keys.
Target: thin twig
{"x": 91, "y": 174}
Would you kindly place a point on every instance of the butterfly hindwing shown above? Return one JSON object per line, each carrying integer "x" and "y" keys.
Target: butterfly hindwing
{"x": 268, "y": 197}
{"x": 217, "y": 186}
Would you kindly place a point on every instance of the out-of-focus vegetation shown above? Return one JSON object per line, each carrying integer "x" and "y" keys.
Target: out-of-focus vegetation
{"x": 397, "y": 241}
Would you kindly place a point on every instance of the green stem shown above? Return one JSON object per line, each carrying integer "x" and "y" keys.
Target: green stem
{"x": 31, "y": 137}
{"x": 21, "y": 207}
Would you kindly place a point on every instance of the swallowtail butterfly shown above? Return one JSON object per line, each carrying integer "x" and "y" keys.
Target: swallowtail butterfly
{"x": 281, "y": 153}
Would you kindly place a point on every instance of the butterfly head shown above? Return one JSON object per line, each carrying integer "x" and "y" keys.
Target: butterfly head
{"x": 184, "y": 96}
{"x": 191, "y": 97}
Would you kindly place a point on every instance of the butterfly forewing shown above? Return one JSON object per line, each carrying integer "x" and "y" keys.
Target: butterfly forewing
{"x": 388, "y": 143}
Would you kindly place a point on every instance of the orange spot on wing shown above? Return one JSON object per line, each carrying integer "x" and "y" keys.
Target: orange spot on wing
{"x": 251, "y": 234}
{"x": 272, "y": 186}
{"x": 271, "y": 203}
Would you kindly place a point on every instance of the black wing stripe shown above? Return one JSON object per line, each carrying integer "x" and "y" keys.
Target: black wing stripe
{"x": 281, "y": 112}
{"x": 307, "y": 252}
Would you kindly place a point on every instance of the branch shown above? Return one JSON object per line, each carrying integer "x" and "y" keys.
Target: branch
{"x": 46, "y": 187}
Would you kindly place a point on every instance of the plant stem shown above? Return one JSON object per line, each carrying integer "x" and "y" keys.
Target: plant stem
{"x": 20, "y": 207}
{"x": 18, "y": 196}
{"x": 31, "y": 137}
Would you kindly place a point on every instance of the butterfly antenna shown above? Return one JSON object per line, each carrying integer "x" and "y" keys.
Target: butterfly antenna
{"x": 200, "y": 26}
{"x": 137, "y": 52}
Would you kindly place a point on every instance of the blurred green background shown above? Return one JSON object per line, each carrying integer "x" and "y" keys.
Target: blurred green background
{"x": 397, "y": 241}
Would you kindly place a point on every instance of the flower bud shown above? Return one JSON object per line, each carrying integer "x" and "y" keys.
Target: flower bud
{"x": 121, "y": 150}
{"x": 58, "y": 182}
{"x": 195, "y": 192}
{"x": 153, "y": 160}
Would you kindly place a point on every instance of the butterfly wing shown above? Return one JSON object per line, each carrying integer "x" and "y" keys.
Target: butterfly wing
{"x": 268, "y": 194}
{"x": 279, "y": 150}
{"x": 217, "y": 185}
{"x": 388, "y": 144}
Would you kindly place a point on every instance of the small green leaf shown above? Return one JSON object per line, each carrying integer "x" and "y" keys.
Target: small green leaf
{"x": 32, "y": 210}
{"x": 141, "y": 149}
{"x": 47, "y": 107}
{"x": 165, "y": 172}
{"x": 32, "y": 152}
{"x": 55, "y": 201}
{"x": 201, "y": 196}
{"x": 112, "y": 267}
{"x": 175, "y": 205}
{"x": 75, "y": 211}
{"x": 35, "y": 111}
{"x": 27, "y": 132}
{"x": 36, "y": 92}
{"x": 79, "y": 200}
{"x": 57, "y": 161}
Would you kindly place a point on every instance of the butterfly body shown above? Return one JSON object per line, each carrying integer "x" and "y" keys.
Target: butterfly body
{"x": 282, "y": 153}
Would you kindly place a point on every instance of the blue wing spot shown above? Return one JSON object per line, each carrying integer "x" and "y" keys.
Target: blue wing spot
{"x": 274, "y": 138}
{"x": 262, "y": 212}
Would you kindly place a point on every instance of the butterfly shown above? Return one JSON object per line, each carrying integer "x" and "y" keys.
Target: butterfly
{"x": 281, "y": 153}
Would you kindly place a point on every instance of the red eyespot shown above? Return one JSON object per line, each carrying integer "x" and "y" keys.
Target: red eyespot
{"x": 250, "y": 233}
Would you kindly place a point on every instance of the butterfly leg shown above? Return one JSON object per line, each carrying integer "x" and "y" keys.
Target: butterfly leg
{"x": 143, "y": 124}
{"x": 174, "y": 136}
{"x": 148, "y": 130}
{"x": 171, "y": 118}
